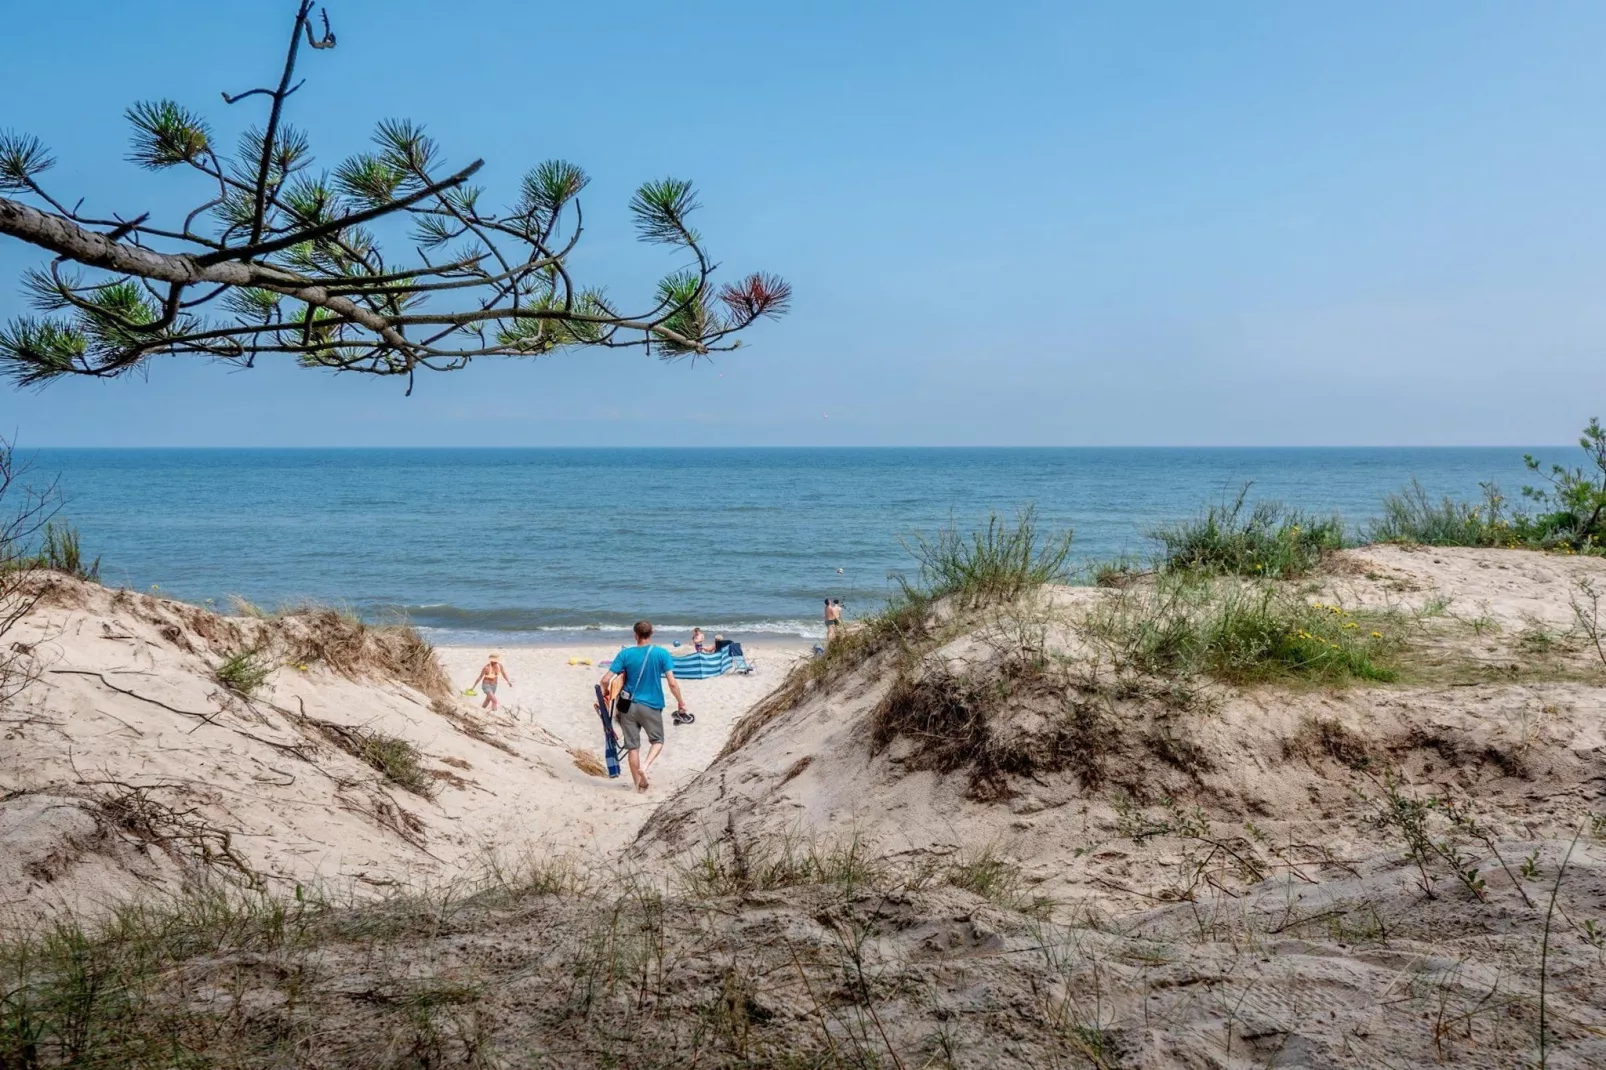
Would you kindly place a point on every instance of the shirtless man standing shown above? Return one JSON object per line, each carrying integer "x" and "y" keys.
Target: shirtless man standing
{"x": 833, "y": 619}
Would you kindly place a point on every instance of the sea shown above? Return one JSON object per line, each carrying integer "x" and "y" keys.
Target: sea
{"x": 511, "y": 546}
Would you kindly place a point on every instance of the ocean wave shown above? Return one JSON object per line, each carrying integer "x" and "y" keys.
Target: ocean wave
{"x": 611, "y": 631}
{"x": 554, "y": 620}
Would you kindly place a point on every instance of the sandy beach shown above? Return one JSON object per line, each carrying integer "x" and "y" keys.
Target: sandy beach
{"x": 355, "y": 763}
{"x": 552, "y": 691}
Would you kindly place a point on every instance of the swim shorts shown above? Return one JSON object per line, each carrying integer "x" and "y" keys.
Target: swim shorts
{"x": 636, "y": 718}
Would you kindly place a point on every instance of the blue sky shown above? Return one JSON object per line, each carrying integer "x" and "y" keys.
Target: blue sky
{"x": 1018, "y": 223}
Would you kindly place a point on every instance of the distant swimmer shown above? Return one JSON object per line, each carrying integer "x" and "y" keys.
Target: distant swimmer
{"x": 489, "y": 677}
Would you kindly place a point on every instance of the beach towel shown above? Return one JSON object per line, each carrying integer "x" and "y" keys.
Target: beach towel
{"x": 610, "y": 742}
{"x": 702, "y": 666}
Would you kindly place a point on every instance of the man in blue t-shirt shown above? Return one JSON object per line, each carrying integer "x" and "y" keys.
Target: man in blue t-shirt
{"x": 641, "y": 666}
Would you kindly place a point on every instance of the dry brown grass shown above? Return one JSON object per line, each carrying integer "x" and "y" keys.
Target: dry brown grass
{"x": 998, "y": 724}
{"x": 347, "y": 645}
{"x": 465, "y": 723}
{"x": 588, "y": 763}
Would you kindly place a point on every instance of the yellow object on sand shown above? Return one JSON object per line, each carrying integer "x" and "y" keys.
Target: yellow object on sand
{"x": 469, "y": 691}
{"x": 579, "y": 661}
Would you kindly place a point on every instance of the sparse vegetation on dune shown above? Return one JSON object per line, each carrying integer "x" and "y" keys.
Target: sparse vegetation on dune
{"x": 338, "y": 639}
{"x": 1566, "y": 509}
{"x": 342, "y": 641}
{"x": 819, "y": 954}
{"x": 62, "y": 551}
{"x": 1268, "y": 540}
{"x": 244, "y": 672}
{"x": 996, "y": 564}
{"x": 1174, "y": 816}
{"x": 1243, "y": 633}
{"x": 1411, "y": 516}
{"x": 168, "y": 981}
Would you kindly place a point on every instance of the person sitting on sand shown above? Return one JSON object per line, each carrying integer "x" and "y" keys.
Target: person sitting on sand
{"x": 698, "y": 643}
{"x": 643, "y": 667}
{"x": 489, "y": 677}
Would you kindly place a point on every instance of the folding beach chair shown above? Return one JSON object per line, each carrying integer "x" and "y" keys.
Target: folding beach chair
{"x": 610, "y": 742}
{"x": 738, "y": 659}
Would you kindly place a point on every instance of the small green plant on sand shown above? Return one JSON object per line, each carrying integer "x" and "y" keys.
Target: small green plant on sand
{"x": 1266, "y": 540}
{"x": 992, "y": 876}
{"x": 244, "y": 672}
{"x": 397, "y": 760}
{"x": 61, "y": 551}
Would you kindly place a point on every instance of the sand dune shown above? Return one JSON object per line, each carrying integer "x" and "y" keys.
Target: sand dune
{"x": 128, "y": 766}
{"x": 987, "y": 843}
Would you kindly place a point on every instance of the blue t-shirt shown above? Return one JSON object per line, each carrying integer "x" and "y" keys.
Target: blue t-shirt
{"x": 644, "y": 668}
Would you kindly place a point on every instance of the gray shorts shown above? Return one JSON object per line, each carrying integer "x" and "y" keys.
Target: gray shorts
{"x": 637, "y": 718}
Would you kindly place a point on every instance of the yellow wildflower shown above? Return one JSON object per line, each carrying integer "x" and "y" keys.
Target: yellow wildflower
{"x": 1377, "y": 635}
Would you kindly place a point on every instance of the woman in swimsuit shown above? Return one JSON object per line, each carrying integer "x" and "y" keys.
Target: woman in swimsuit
{"x": 489, "y": 677}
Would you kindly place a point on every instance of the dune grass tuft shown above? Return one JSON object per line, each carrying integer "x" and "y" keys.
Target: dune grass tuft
{"x": 337, "y": 637}
{"x": 1411, "y": 517}
{"x": 1265, "y": 540}
{"x": 995, "y": 564}
{"x": 1243, "y": 632}
{"x": 988, "y": 873}
{"x": 62, "y": 551}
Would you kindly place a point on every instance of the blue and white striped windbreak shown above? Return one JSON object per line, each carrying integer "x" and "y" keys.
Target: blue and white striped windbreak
{"x": 702, "y": 666}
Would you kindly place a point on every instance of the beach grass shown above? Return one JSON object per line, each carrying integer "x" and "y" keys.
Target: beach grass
{"x": 1412, "y": 517}
{"x": 397, "y": 760}
{"x": 1243, "y": 632}
{"x": 62, "y": 551}
{"x": 1267, "y": 540}
{"x": 993, "y": 564}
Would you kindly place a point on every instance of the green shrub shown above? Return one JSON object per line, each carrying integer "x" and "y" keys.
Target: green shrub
{"x": 1411, "y": 517}
{"x": 1268, "y": 540}
{"x": 244, "y": 672}
{"x": 1573, "y": 507}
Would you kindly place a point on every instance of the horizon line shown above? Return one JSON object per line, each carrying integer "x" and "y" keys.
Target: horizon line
{"x": 24, "y": 448}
